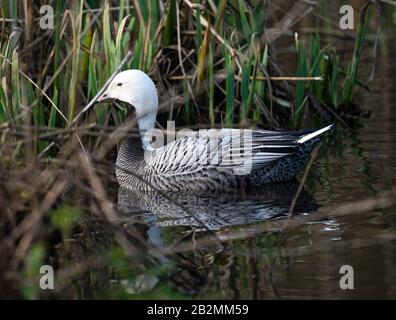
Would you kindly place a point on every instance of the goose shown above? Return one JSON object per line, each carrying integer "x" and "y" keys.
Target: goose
{"x": 214, "y": 160}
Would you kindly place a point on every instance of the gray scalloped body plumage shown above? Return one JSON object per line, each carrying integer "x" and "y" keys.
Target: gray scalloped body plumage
{"x": 134, "y": 172}
{"x": 212, "y": 160}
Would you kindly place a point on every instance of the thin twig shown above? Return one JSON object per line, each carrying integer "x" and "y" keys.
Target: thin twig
{"x": 303, "y": 179}
{"x": 260, "y": 78}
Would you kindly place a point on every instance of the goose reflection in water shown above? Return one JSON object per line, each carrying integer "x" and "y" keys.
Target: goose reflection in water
{"x": 214, "y": 210}
{"x": 191, "y": 223}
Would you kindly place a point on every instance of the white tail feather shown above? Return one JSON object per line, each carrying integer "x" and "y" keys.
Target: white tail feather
{"x": 314, "y": 134}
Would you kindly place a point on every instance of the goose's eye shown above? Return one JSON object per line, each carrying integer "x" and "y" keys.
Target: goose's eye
{"x": 119, "y": 84}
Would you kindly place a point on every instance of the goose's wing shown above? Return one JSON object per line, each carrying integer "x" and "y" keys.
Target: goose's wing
{"x": 249, "y": 150}
{"x": 175, "y": 157}
{"x": 226, "y": 149}
{"x": 271, "y": 145}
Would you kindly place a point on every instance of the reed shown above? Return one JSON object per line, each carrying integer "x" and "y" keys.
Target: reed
{"x": 90, "y": 39}
{"x": 351, "y": 76}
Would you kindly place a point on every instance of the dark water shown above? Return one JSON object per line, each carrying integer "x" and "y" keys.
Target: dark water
{"x": 240, "y": 244}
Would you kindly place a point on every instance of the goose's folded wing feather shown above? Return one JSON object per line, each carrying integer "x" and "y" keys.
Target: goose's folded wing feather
{"x": 225, "y": 149}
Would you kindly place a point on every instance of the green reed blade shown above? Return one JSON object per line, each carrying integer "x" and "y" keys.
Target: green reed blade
{"x": 76, "y": 22}
{"x": 245, "y": 85}
{"x": 4, "y": 105}
{"x": 302, "y": 71}
{"x": 211, "y": 87}
{"x": 245, "y": 24}
{"x": 187, "y": 104}
{"x": 203, "y": 55}
{"x": 15, "y": 87}
{"x": 169, "y": 24}
{"x": 198, "y": 26}
{"x": 230, "y": 87}
{"x": 220, "y": 14}
{"x": 351, "y": 73}
{"x": 86, "y": 42}
{"x": 334, "y": 81}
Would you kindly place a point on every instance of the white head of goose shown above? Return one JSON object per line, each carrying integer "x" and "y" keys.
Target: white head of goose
{"x": 179, "y": 166}
{"x": 135, "y": 88}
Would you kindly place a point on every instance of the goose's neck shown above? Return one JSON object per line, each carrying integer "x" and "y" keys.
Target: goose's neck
{"x": 146, "y": 123}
